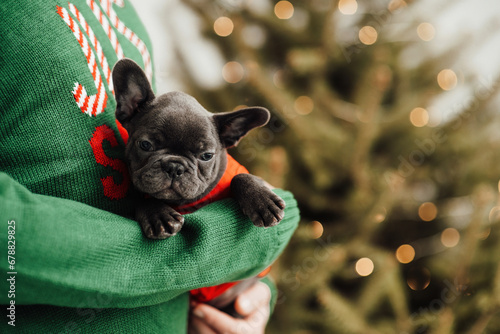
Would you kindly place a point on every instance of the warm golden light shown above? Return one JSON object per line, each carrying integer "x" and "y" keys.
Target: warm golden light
{"x": 223, "y": 26}
{"x": 380, "y": 215}
{"x": 427, "y": 211}
{"x": 405, "y": 253}
{"x": 303, "y": 105}
{"x": 494, "y": 215}
{"x": 283, "y": 10}
{"x": 396, "y": 4}
{"x": 447, "y": 79}
{"x": 419, "y": 117}
{"x": 233, "y": 72}
{"x": 483, "y": 235}
{"x": 317, "y": 229}
{"x": 278, "y": 79}
{"x": 368, "y": 35}
{"x": 426, "y": 31}
{"x": 419, "y": 279}
{"x": 450, "y": 237}
{"x": 364, "y": 266}
{"x": 348, "y": 7}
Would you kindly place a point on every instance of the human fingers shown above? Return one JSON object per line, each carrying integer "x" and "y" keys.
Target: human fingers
{"x": 198, "y": 326}
{"x": 253, "y": 299}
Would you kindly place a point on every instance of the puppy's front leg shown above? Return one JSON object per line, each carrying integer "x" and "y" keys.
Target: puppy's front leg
{"x": 258, "y": 202}
{"x": 157, "y": 219}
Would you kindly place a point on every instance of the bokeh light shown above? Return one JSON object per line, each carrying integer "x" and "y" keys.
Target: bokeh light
{"x": 483, "y": 235}
{"x": 233, "y": 72}
{"x": 223, "y": 26}
{"x": 380, "y": 215}
{"x": 279, "y": 79}
{"x": 427, "y": 211}
{"x": 368, "y": 35}
{"x": 348, "y": 7}
{"x": 426, "y": 31}
{"x": 450, "y": 237}
{"x": 396, "y": 4}
{"x": 494, "y": 215}
{"x": 405, "y": 253}
{"x": 254, "y": 36}
{"x": 364, "y": 266}
{"x": 317, "y": 229}
{"x": 447, "y": 79}
{"x": 283, "y": 10}
{"x": 419, "y": 117}
{"x": 418, "y": 278}
{"x": 303, "y": 105}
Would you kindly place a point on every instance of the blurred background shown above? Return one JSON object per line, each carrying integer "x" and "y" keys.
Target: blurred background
{"x": 385, "y": 127}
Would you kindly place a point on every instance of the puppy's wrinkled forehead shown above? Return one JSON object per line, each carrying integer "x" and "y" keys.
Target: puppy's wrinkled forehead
{"x": 182, "y": 121}
{"x": 182, "y": 103}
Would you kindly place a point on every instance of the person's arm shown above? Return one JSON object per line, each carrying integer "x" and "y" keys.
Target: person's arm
{"x": 71, "y": 254}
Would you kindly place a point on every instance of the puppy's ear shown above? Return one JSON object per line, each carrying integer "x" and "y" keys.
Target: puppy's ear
{"x": 132, "y": 89}
{"x": 232, "y": 126}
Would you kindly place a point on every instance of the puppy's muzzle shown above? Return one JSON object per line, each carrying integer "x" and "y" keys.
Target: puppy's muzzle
{"x": 173, "y": 169}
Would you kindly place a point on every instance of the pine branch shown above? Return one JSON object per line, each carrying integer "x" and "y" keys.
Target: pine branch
{"x": 343, "y": 318}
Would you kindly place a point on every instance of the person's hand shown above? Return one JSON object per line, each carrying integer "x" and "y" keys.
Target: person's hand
{"x": 252, "y": 304}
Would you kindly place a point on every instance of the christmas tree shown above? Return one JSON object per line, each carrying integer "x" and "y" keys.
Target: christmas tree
{"x": 389, "y": 141}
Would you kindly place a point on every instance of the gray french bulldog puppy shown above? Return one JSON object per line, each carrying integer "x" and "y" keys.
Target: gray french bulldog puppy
{"x": 176, "y": 153}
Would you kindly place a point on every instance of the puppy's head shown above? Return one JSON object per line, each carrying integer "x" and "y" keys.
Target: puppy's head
{"x": 176, "y": 149}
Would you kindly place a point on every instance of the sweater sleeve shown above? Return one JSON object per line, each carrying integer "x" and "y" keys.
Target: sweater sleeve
{"x": 71, "y": 254}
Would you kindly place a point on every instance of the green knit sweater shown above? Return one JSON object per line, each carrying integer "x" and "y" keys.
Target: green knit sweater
{"x": 78, "y": 265}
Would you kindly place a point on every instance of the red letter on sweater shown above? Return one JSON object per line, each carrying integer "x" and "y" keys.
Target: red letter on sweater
{"x": 111, "y": 189}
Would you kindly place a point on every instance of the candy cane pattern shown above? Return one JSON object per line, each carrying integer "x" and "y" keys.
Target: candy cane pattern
{"x": 95, "y": 44}
{"x": 129, "y": 34}
{"x": 103, "y": 20}
{"x": 95, "y": 104}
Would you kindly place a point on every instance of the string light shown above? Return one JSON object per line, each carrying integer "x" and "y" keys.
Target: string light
{"x": 364, "y": 266}
{"x": 303, "y": 105}
{"x": 233, "y": 72}
{"x": 368, "y": 35}
{"x": 419, "y": 117}
{"x": 348, "y": 7}
{"x": 317, "y": 229}
{"x": 426, "y": 31}
{"x": 427, "y": 211}
{"x": 447, "y": 79}
{"x": 405, "y": 253}
{"x": 450, "y": 237}
{"x": 223, "y": 26}
{"x": 283, "y": 10}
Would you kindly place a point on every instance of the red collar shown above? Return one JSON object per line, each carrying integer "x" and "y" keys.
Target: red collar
{"x": 220, "y": 191}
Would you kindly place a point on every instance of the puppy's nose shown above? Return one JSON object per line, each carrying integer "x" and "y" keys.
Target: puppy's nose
{"x": 173, "y": 169}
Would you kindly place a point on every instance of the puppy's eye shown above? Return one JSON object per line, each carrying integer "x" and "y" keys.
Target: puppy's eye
{"x": 206, "y": 156}
{"x": 145, "y": 145}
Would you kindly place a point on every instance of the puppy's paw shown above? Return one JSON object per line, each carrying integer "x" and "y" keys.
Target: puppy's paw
{"x": 160, "y": 222}
{"x": 265, "y": 210}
